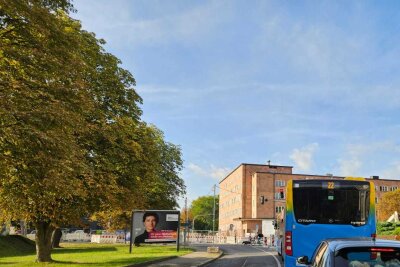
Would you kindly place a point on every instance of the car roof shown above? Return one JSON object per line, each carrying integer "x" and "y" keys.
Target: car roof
{"x": 339, "y": 243}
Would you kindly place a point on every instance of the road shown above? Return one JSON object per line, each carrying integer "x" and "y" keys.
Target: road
{"x": 246, "y": 255}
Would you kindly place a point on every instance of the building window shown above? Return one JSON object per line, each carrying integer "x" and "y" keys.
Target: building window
{"x": 383, "y": 188}
{"x": 279, "y": 183}
{"x": 394, "y": 188}
{"x": 279, "y": 209}
{"x": 280, "y": 195}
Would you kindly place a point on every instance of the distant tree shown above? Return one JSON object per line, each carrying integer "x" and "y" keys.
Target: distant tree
{"x": 72, "y": 143}
{"x": 202, "y": 212}
{"x": 388, "y": 204}
{"x": 189, "y": 214}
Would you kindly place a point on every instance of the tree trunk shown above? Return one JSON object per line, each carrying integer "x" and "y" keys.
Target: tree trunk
{"x": 56, "y": 238}
{"x": 44, "y": 233}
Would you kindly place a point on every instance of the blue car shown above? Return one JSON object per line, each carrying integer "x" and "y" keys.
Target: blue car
{"x": 354, "y": 252}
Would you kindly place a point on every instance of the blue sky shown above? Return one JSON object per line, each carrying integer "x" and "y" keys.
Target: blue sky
{"x": 311, "y": 84}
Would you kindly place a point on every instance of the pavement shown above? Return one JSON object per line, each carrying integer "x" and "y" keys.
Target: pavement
{"x": 229, "y": 256}
{"x": 198, "y": 258}
{"x": 247, "y": 256}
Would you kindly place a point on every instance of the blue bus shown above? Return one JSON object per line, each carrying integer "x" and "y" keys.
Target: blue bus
{"x": 321, "y": 209}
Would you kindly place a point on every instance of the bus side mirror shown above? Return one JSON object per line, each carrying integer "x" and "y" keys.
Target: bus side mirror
{"x": 303, "y": 260}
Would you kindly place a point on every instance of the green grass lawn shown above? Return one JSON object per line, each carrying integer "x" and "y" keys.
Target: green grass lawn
{"x": 88, "y": 254}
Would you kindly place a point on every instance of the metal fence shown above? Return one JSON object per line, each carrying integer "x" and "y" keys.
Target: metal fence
{"x": 208, "y": 237}
{"x": 82, "y": 236}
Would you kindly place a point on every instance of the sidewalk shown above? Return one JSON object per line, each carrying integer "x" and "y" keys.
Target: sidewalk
{"x": 197, "y": 258}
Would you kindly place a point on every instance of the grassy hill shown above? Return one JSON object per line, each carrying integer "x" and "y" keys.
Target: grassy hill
{"x": 15, "y": 245}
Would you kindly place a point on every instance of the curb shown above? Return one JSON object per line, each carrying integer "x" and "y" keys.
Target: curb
{"x": 146, "y": 263}
{"x": 211, "y": 260}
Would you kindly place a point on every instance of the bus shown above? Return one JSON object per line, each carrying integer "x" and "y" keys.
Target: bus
{"x": 321, "y": 209}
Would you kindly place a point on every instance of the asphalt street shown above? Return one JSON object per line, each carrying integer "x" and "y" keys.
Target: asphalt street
{"x": 246, "y": 255}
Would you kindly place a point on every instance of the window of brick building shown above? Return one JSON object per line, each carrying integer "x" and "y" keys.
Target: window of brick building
{"x": 279, "y": 209}
{"x": 280, "y": 195}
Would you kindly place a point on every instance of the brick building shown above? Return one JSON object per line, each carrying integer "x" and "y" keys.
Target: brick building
{"x": 252, "y": 195}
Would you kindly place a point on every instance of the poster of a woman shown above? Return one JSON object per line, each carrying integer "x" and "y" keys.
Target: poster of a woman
{"x": 150, "y": 220}
{"x": 155, "y": 226}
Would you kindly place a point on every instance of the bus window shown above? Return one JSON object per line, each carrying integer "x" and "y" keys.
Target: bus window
{"x": 344, "y": 204}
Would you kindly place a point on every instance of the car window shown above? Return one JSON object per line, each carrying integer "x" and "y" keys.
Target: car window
{"x": 316, "y": 251}
{"x": 324, "y": 259}
{"x": 368, "y": 256}
{"x": 318, "y": 255}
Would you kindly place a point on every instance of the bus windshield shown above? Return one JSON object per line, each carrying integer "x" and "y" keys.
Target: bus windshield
{"x": 331, "y": 202}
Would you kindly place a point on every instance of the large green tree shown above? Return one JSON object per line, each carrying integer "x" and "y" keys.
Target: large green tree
{"x": 202, "y": 211}
{"x": 72, "y": 143}
{"x": 145, "y": 163}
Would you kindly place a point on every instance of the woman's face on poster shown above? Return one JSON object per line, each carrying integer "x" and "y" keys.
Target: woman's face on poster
{"x": 150, "y": 223}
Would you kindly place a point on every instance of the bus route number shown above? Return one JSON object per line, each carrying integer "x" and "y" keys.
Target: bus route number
{"x": 331, "y": 185}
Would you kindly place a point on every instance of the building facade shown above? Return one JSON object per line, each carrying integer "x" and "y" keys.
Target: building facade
{"x": 253, "y": 195}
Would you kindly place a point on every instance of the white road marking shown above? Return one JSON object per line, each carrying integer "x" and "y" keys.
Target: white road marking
{"x": 244, "y": 263}
{"x": 269, "y": 253}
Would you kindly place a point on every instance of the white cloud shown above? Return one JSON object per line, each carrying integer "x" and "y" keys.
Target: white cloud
{"x": 196, "y": 169}
{"x": 219, "y": 173}
{"x": 350, "y": 167}
{"x": 352, "y": 161}
{"x": 356, "y": 156}
{"x": 392, "y": 172}
{"x": 184, "y": 99}
{"x": 128, "y": 29}
{"x": 357, "y": 150}
{"x": 303, "y": 157}
{"x": 322, "y": 49}
{"x": 212, "y": 171}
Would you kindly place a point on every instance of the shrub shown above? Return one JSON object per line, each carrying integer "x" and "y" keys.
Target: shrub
{"x": 396, "y": 231}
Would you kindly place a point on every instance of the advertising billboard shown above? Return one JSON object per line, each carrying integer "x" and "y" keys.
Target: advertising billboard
{"x": 155, "y": 226}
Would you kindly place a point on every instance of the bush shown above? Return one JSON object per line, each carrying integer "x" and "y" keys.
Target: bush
{"x": 388, "y": 228}
{"x": 396, "y": 231}
{"x": 385, "y": 224}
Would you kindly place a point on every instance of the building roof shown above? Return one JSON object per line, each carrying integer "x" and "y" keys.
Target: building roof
{"x": 337, "y": 177}
{"x": 302, "y": 174}
{"x": 253, "y": 219}
{"x": 252, "y": 164}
